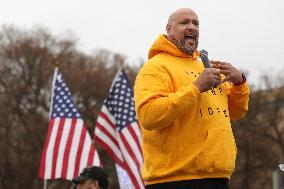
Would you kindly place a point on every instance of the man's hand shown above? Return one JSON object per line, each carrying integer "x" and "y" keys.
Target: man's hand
{"x": 231, "y": 73}
{"x": 207, "y": 79}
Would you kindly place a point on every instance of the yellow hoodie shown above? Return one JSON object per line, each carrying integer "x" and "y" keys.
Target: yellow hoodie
{"x": 185, "y": 134}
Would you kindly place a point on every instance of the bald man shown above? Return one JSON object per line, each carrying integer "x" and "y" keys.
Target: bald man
{"x": 187, "y": 140}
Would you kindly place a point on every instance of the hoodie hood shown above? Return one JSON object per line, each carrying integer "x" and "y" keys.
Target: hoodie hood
{"x": 162, "y": 44}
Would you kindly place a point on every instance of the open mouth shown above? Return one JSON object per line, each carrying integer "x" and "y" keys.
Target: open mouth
{"x": 190, "y": 37}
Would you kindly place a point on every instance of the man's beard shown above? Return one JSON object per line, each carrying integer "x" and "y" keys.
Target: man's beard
{"x": 180, "y": 44}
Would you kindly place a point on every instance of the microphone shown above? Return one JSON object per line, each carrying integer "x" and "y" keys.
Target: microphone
{"x": 205, "y": 61}
{"x": 204, "y": 58}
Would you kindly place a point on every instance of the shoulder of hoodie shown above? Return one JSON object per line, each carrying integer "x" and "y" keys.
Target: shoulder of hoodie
{"x": 157, "y": 66}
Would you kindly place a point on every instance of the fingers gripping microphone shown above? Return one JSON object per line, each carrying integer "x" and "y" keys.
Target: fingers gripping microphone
{"x": 205, "y": 61}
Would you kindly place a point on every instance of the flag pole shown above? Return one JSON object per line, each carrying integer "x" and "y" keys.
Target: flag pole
{"x": 44, "y": 184}
{"x": 50, "y": 110}
{"x": 116, "y": 75}
{"x": 52, "y": 92}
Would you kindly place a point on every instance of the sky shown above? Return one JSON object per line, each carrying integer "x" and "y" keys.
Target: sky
{"x": 246, "y": 33}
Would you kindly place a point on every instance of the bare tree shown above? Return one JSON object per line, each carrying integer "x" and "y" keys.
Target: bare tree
{"x": 28, "y": 58}
{"x": 260, "y": 138}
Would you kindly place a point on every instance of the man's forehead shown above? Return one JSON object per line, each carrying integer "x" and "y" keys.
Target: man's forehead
{"x": 183, "y": 14}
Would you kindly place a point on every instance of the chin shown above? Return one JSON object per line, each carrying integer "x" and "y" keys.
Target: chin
{"x": 191, "y": 48}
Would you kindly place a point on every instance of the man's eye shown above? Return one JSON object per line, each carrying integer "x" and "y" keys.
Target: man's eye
{"x": 196, "y": 23}
{"x": 184, "y": 22}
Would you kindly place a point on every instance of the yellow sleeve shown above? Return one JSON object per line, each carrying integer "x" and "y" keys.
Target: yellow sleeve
{"x": 238, "y": 100}
{"x": 156, "y": 105}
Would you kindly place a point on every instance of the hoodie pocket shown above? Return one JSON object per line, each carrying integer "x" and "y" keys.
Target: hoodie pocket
{"x": 219, "y": 152}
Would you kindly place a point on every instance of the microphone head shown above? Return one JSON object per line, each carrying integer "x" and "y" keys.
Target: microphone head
{"x": 203, "y": 53}
{"x": 204, "y": 57}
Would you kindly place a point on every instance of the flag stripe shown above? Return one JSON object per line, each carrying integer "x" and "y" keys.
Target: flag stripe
{"x": 128, "y": 158}
{"x": 56, "y": 148}
{"x": 109, "y": 116}
{"x": 79, "y": 152}
{"x": 68, "y": 147}
{"x": 107, "y": 125}
{"x": 134, "y": 180}
{"x": 137, "y": 131}
{"x": 61, "y": 150}
{"x": 75, "y": 146}
{"x": 92, "y": 157}
{"x": 111, "y": 149}
{"x": 43, "y": 158}
{"x": 136, "y": 140}
{"x": 49, "y": 150}
{"x": 111, "y": 134}
{"x": 131, "y": 147}
{"x": 86, "y": 152}
{"x": 95, "y": 156}
{"x": 103, "y": 135}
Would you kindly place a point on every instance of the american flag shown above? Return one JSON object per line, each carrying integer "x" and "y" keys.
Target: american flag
{"x": 68, "y": 146}
{"x": 117, "y": 129}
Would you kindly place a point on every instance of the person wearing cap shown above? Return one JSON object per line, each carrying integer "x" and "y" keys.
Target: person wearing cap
{"x": 91, "y": 178}
{"x": 187, "y": 139}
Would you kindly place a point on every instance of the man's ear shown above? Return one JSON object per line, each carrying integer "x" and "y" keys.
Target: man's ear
{"x": 96, "y": 184}
{"x": 168, "y": 28}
